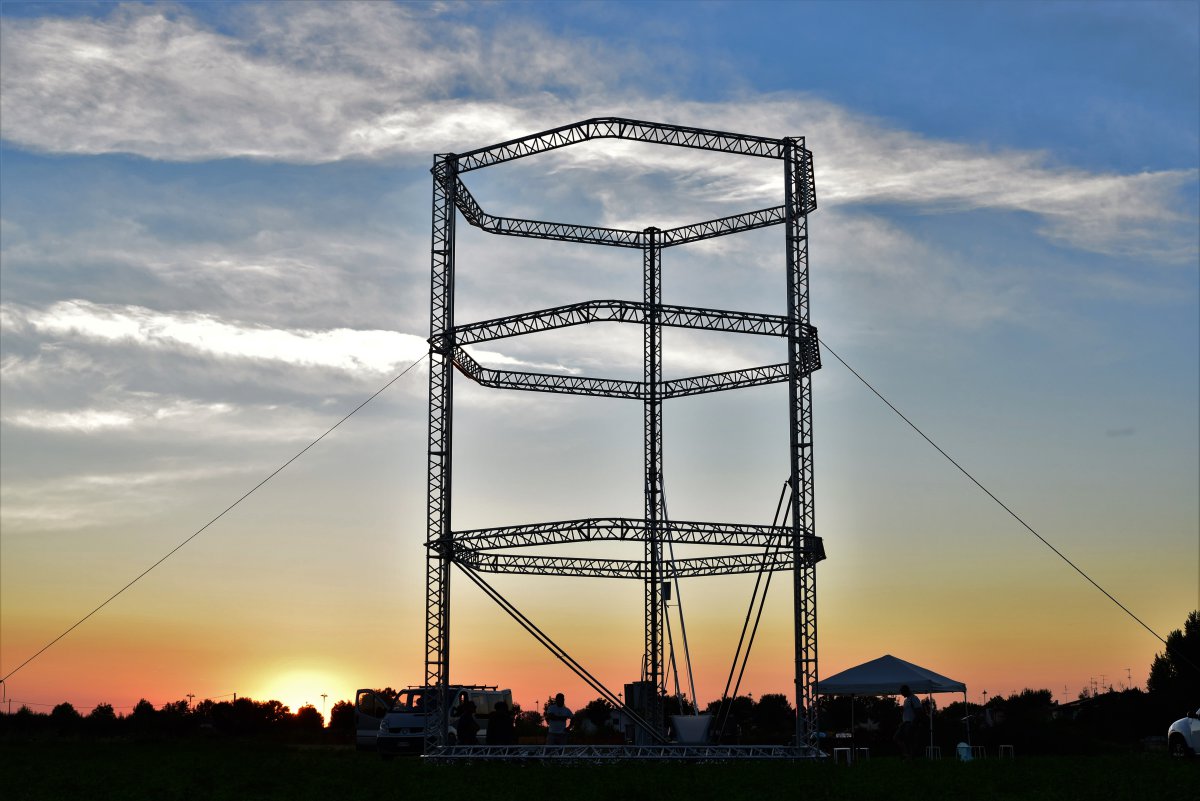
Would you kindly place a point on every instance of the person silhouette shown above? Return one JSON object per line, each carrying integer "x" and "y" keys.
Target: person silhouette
{"x": 910, "y": 716}
{"x": 500, "y": 729}
{"x": 466, "y": 725}
{"x": 557, "y": 716}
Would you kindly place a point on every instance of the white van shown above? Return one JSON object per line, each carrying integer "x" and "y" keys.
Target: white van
{"x": 402, "y": 729}
{"x": 370, "y": 707}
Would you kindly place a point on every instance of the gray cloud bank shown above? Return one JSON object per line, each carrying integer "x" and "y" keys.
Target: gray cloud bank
{"x": 316, "y": 83}
{"x": 270, "y": 316}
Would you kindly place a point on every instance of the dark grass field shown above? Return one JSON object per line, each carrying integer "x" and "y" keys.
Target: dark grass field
{"x": 240, "y": 771}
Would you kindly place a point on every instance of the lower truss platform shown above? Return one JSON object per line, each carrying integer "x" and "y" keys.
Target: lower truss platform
{"x": 621, "y": 753}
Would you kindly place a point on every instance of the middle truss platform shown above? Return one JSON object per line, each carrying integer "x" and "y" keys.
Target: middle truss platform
{"x": 772, "y": 548}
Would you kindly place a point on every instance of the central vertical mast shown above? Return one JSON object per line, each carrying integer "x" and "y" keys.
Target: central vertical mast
{"x": 652, "y": 375}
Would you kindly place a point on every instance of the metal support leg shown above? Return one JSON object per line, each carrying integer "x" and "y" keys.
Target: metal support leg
{"x": 441, "y": 386}
{"x": 797, "y": 178}
{"x": 652, "y": 373}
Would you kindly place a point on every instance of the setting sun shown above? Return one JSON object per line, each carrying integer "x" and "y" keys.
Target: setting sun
{"x": 298, "y": 687}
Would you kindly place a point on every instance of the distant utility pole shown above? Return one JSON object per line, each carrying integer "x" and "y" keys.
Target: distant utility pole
{"x": 1128, "y": 679}
{"x": 323, "y": 697}
{"x": 190, "y": 696}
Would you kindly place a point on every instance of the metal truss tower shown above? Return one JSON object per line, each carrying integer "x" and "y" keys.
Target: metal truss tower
{"x": 792, "y": 547}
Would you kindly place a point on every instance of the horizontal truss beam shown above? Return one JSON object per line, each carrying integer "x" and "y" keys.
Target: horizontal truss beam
{"x": 486, "y": 562}
{"x": 539, "y": 229}
{"x": 616, "y": 388}
{"x": 613, "y": 237}
{"x": 621, "y": 128}
{"x": 621, "y": 529}
{"x": 733, "y": 224}
{"x": 624, "y": 311}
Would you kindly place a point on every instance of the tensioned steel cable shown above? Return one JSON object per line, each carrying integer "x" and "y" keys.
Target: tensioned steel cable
{"x": 762, "y": 604}
{"x": 557, "y": 650}
{"x": 200, "y": 530}
{"x": 671, "y": 669}
{"x": 727, "y": 707}
{"x": 1001, "y": 503}
{"x": 687, "y": 653}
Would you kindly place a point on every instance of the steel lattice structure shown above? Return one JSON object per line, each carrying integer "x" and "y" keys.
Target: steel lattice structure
{"x": 793, "y": 547}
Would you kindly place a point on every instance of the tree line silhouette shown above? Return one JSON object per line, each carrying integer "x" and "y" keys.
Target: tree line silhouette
{"x": 1030, "y": 720}
{"x": 243, "y": 717}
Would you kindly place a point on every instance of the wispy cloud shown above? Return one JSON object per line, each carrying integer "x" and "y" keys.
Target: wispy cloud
{"x": 86, "y": 420}
{"x": 305, "y": 83}
{"x": 319, "y": 83}
{"x": 163, "y": 416}
{"x": 269, "y": 260}
{"x": 1107, "y": 213}
{"x": 884, "y": 272}
{"x": 89, "y": 500}
{"x": 353, "y": 351}
{"x": 136, "y": 411}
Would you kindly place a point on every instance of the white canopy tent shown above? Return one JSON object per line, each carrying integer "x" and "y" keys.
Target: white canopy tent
{"x": 885, "y": 676}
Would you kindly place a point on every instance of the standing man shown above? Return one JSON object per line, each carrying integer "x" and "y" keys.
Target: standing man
{"x": 557, "y": 716}
{"x": 910, "y": 715}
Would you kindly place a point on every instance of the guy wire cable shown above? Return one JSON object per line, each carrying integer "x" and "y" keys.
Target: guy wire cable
{"x": 227, "y": 509}
{"x": 1003, "y": 505}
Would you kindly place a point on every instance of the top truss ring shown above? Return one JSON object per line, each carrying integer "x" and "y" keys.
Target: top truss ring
{"x": 638, "y": 131}
{"x": 622, "y": 128}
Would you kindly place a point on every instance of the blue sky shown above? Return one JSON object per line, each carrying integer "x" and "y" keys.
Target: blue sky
{"x": 215, "y": 243}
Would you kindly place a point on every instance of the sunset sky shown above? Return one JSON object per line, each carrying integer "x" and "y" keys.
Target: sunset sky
{"x": 215, "y": 244}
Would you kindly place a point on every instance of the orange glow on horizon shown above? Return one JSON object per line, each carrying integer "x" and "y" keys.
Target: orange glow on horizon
{"x": 296, "y": 687}
{"x": 993, "y": 639}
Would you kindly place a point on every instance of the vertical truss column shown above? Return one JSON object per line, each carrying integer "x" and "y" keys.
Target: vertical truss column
{"x": 797, "y": 177}
{"x": 652, "y": 374}
{"x": 441, "y": 391}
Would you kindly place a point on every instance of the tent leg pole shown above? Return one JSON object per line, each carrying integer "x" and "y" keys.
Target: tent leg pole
{"x": 929, "y": 698}
{"x": 967, "y": 716}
